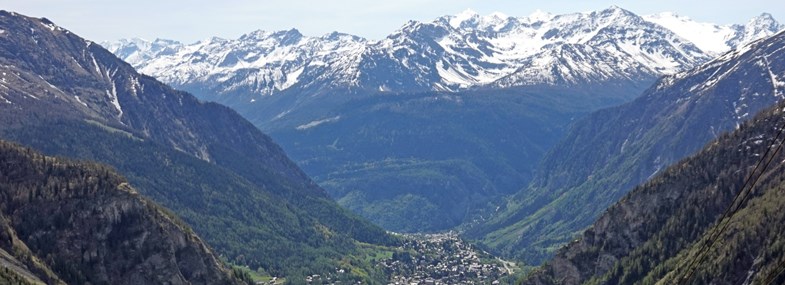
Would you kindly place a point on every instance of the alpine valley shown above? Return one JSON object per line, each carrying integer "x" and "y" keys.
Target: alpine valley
{"x": 68, "y": 96}
{"x": 428, "y": 128}
{"x": 591, "y": 148}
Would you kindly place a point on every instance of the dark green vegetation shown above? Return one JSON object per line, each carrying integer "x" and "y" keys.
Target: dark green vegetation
{"x": 606, "y": 154}
{"x": 223, "y": 207}
{"x": 654, "y": 232}
{"x": 425, "y": 161}
{"x": 63, "y": 222}
{"x": 224, "y": 177}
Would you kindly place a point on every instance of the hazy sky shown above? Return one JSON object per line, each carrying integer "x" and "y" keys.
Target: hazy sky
{"x": 193, "y": 20}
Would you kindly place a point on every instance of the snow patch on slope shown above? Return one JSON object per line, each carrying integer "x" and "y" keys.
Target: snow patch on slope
{"x": 717, "y": 39}
{"x": 317, "y": 123}
{"x": 708, "y": 37}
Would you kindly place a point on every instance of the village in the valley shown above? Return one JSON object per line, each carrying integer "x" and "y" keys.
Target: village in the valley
{"x": 432, "y": 259}
{"x": 445, "y": 259}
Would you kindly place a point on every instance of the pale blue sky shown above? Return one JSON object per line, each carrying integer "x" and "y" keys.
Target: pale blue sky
{"x": 189, "y": 21}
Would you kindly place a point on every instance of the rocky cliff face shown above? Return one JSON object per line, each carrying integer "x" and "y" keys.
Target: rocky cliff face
{"x": 79, "y": 223}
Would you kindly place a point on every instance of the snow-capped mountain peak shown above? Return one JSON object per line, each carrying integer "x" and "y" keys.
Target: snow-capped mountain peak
{"x": 450, "y": 53}
{"x": 470, "y": 20}
{"x": 759, "y": 27}
{"x": 499, "y": 15}
{"x": 286, "y": 37}
{"x": 764, "y": 21}
{"x": 460, "y": 18}
{"x": 539, "y": 16}
{"x": 336, "y": 36}
{"x": 139, "y": 52}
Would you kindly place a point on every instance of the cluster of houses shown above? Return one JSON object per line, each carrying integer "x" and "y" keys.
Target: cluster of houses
{"x": 432, "y": 259}
{"x": 443, "y": 259}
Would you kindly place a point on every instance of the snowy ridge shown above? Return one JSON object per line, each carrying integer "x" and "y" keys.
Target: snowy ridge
{"x": 260, "y": 62}
{"x": 451, "y": 53}
{"x": 719, "y": 65}
{"x": 761, "y": 55}
{"x": 138, "y": 51}
{"x": 716, "y": 39}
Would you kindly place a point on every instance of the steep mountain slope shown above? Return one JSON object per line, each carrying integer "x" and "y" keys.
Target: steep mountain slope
{"x": 68, "y": 96}
{"x": 64, "y": 222}
{"x": 606, "y": 154}
{"x": 653, "y": 234}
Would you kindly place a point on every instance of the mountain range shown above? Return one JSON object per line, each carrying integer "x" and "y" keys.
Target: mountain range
{"x": 520, "y": 132}
{"x": 448, "y": 54}
{"x": 67, "y": 96}
{"x": 412, "y": 151}
{"x": 463, "y": 106}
